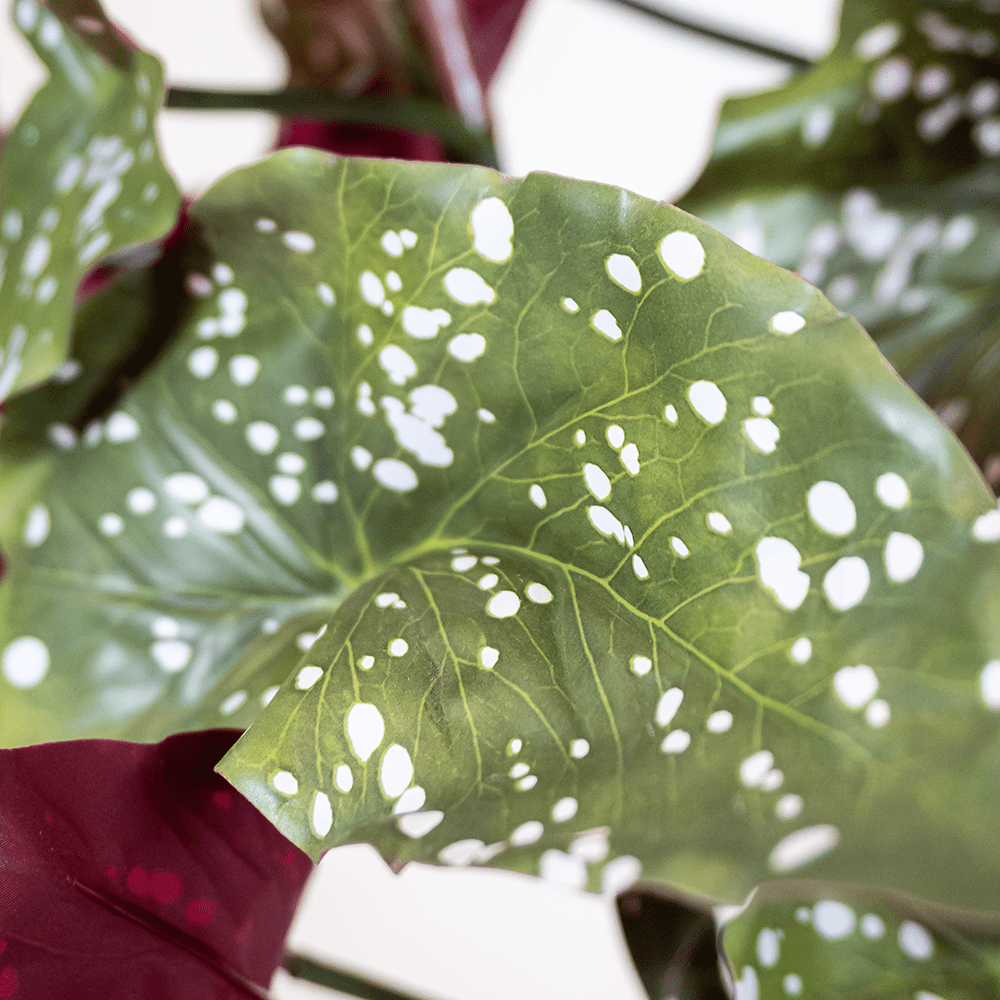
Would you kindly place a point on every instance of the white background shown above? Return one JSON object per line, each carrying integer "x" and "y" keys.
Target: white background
{"x": 590, "y": 90}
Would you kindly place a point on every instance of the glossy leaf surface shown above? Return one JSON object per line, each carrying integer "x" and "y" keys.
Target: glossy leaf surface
{"x": 876, "y": 176}
{"x": 629, "y": 549}
{"x": 81, "y": 178}
{"x": 134, "y": 871}
{"x": 801, "y": 941}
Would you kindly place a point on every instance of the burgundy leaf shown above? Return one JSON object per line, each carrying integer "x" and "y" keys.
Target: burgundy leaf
{"x": 134, "y": 871}
{"x": 358, "y": 47}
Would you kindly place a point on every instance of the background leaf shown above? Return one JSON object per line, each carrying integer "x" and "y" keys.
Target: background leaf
{"x": 134, "y": 871}
{"x": 81, "y": 178}
{"x": 875, "y": 176}
{"x": 805, "y": 940}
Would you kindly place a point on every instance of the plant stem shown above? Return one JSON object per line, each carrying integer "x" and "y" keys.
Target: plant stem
{"x": 380, "y": 111}
{"x": 305, "y": 968}
{"x": 718, "y": 33}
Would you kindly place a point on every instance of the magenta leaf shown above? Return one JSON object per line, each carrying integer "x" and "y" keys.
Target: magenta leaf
{"x": 134, "y": 871}
{"x": 357, "y": 47}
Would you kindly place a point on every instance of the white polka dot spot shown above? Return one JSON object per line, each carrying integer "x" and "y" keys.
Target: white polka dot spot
{"x": 262, "y": 437}
{"x": 365, "y": 729}
{"x": 37, "y": 525}
{"x": 25, "y": 662}
{"x": 623, "y": 271}
{"x": 833, "y": 920}
{"x": 488, "y": 657}
{"x": 396, "y": 771}
{"x": 641, "y": 665}
{"x": 719, "y": 522}
{"x": 343, "y": 778}
{"x": 419, "y": 824}
{"x": 788, "y": 806}
{"x": 682, "y": 254}
{"x": 803, "y": 846}
{"x": 846, "y": 582}
{"x": 597, "y": 481}
{"x": 778, "y": 562}
{"x": 503, "y": 605}
{"x": 299, "y": 242}
{"x": 492, "y": 229}
{"x": 172, "y": 655}
{"x": 787, "y": 322}
{"x": 203, "y": 362}
{"x": 527, "y": 833}
{"x": 243, "y": 368}
{"x": 121, "y": 427}
{"x": 801, "y": 650}
{"x": 321, "y": 816}
{"x": 222, "y": 515}
{"x": 915, "y": 941}
{"x": 707, "y": 401}
{"x": 466, "y": 286}
{"x": 904, "y": 556}
{"x": 395, "y": 475}
{"x": 285, "y": 782}
{"x": 669, "y": 703}
{"x": 233, "y": 702}
{"x": 719, "y": 722}
{"x": 604, "y": 322}
{"x": 467, "y": 346}
{"x": 676, "y": 742}
{"x": 831, "y": 508}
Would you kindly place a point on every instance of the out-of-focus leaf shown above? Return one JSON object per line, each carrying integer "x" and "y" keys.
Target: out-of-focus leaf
{"x": 672, "y": 947}
{"x": 448, "y": 51}
{"x": 877, "y": 176}
{"x": 132, "y": 871}
{"x": 801, "y": 940}
{"x": 81, "y": 178}
{"x": 626, "y": 548}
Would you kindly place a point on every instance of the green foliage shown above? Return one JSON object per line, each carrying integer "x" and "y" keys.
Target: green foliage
{"x": 798, "y": 940}
{"x": 529, "y": 523}
{"x": 875, "y": 176}
{"x": 81, "y": 179}
{"x": 588, "y": 610}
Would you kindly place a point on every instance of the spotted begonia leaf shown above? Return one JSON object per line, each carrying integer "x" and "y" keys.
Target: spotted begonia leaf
{"x": 801, "y": 941}
{"x": 132, "y": 870}
{"x": 81, "y": 178}
{"x": 626, "y": 548}
{"x": 874, "y": 176}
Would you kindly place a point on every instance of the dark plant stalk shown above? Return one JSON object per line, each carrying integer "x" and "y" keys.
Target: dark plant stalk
{"x": 312, "y": 972}
{"x": 419, "y": 114}
{"x": 718, "y": 33}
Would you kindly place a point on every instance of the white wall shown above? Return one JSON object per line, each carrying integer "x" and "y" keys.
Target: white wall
{"x": 591, "y": 90}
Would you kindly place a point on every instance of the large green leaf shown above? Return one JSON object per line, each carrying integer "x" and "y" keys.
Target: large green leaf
{"x": 81, "y": 178}
{"x": 799, "y": 940}
{"x": 543, "y": 457}
{"x": 876, "y": 176}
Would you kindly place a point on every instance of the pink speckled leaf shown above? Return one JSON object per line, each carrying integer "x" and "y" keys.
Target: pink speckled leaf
{"x": 133, "y": 871}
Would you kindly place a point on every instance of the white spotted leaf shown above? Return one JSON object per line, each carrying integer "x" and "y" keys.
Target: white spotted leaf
{"x": 873, "y": 175}
{"x": 275, "y": 505}
{"x": 804, "y": 940}
{"x": 81, "y": 178}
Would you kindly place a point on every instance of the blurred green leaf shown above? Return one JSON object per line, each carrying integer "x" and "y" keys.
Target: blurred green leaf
{"x": 876, "y": 176}
{"x": 81, "y": 178}
{"x": 800, "y": 940}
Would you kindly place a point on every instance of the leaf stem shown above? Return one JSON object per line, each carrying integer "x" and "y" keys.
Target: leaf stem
{"x": 380, "y": 111}
{"x": 305, "y": 968}
{"x": 719, "y": 33}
